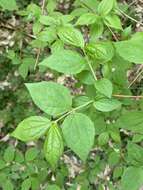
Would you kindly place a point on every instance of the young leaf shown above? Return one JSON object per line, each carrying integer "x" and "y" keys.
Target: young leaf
{"x": 87, "y": 19}
{"x": 72, "y": 36}
{"x": 26, "y": 184}
{"x": 53, "y": 147}
{"x": 48, "y": 20}
{"x": 113, "y": 21}
{"x": 8, "y": 5}
{"x": 50, "y": 97}
{"x": 107, "y": 105}
{"x": 132, "y": 121}
{"x": 9, "y": 154}
{"x": 65, "y": 61}
{"x": 31, "y": 154}
{"x": 101, "y": 51}
{"x": 79, "y": 132}
{"x": 105, "y": 7}
{"x": 104, "y": 86}
{"x": 31, "y": 128}
{"x": 131, "y": 50}
{"x": 132, "y": 178}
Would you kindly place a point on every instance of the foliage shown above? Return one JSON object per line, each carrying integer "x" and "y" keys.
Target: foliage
{"x": 101, "y": 126}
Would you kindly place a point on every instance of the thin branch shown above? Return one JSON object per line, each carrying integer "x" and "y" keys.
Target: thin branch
{"x": 90, "y": 66}
{"x": 114, "y": 35}
{"x": 73, "y": 110}
{"x": 39, "y": 50}
{"x": 127, "y": 96}
{"x": 138, "y": 75}
{"x": 131, "y": 18}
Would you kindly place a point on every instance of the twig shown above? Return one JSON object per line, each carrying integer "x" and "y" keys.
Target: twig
{"x": 73, "y": 110}
{"x": 140, "y": 68}
{"x": 39, "y": 49}
{"x": 131, "y": 18}
{"x": 127, "y": 96}
{"x": 90, "y": 66}
{"x": 114, "y": 35}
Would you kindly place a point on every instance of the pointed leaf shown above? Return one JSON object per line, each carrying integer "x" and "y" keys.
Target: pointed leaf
{"x": 31, "y": 128}
{"x": 104, "y": 86}
{"x": 52, "y": 98}
{"x": 72, "y": 36}
{"x": 53, "y": 147}
{"x": 105, "y": 7}
{"x": 79, "y": 132}
{"x": 107, "y": 105}
{"x": 86, "y": 19}
{"x": 65, "y": 61}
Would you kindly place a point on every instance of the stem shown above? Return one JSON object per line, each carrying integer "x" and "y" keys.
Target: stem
{"x": 39, "y": 49}
{"x": 138, "y": 75}
{"x": 73, "y": 110}
{"x": 131, "y": 18}
{"x": 90, "y": 66}
{"x": 114, "y": 35}
{"x": 127, "y": 96}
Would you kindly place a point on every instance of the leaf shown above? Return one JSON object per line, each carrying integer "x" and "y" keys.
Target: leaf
{"x": 31, "y": 154}
{"x": 103, "y": 138}
{"x": 52, "y": 187}
{"x": 50, "y": 97}
{"x": 78, "y": 131}
{"x": 135, "y": 154}
{"x": 26, "y": 184}
{"x": 53, "y": 147}
{"x": 105, "y": 7}
{"x": 113, "y": 21}
{"x": 48, "y": 35}
{"x": 9, "y": 154}
{"x": 132, "y": 121}
{"x": 72, "y": 36}
{"x": 131, "y": 50}
{"x": 31, "y": 128}
{"x": 86, "y": 19}
{"x": 65, "y": 61}
{"x": 104, "y": 86}
{"x": 8, "y": 185}
{"x": 132, "y": 178}
{"x": 8, "y": 5}
{"x": 101, "y": 51}
{"x": 107, "y": 105}
{"x": 48, "y": 20}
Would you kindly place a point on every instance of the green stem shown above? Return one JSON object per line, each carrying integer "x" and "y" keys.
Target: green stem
{"x": 73, "y": 110}
{"x": 131, "y": 18}
{"x": 90, "y": 66}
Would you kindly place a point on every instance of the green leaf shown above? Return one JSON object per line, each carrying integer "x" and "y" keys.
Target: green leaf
{"x": 48, "y": 35}
{"x": 72, "y": 36}
{"x": 65, "y": 61}
{"x": 31, "y": 154}
{"x": 48, "y": 20}
{"x": 132, "y": 121}
{"x": 2, "y": 164}
{"x": 8, "y": 5}
{"x": 105, "y": 7}
{"x": 50, "y": 97}
{"x": 132, "y": 179}
{"x": 104, "y": 86}
{"x": 113, "y": 21}
{"x": 26, "y": 184}
{"x": 8, "y": 185}
{"x": 87, "y": 19}
{"x": 103, "y": 138}
{"x": 52, "y": 187}
{"x": 31, "y": 128}
{"x": 79, "y": 132}
{"x": 107, "y": 105}
{"x": 131, "y": 50}
{"x": 135, "y": 154}
{"x": 9, "y": 154}
{"x": 101, "y": 51}
{"x": 53, "y": 147}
